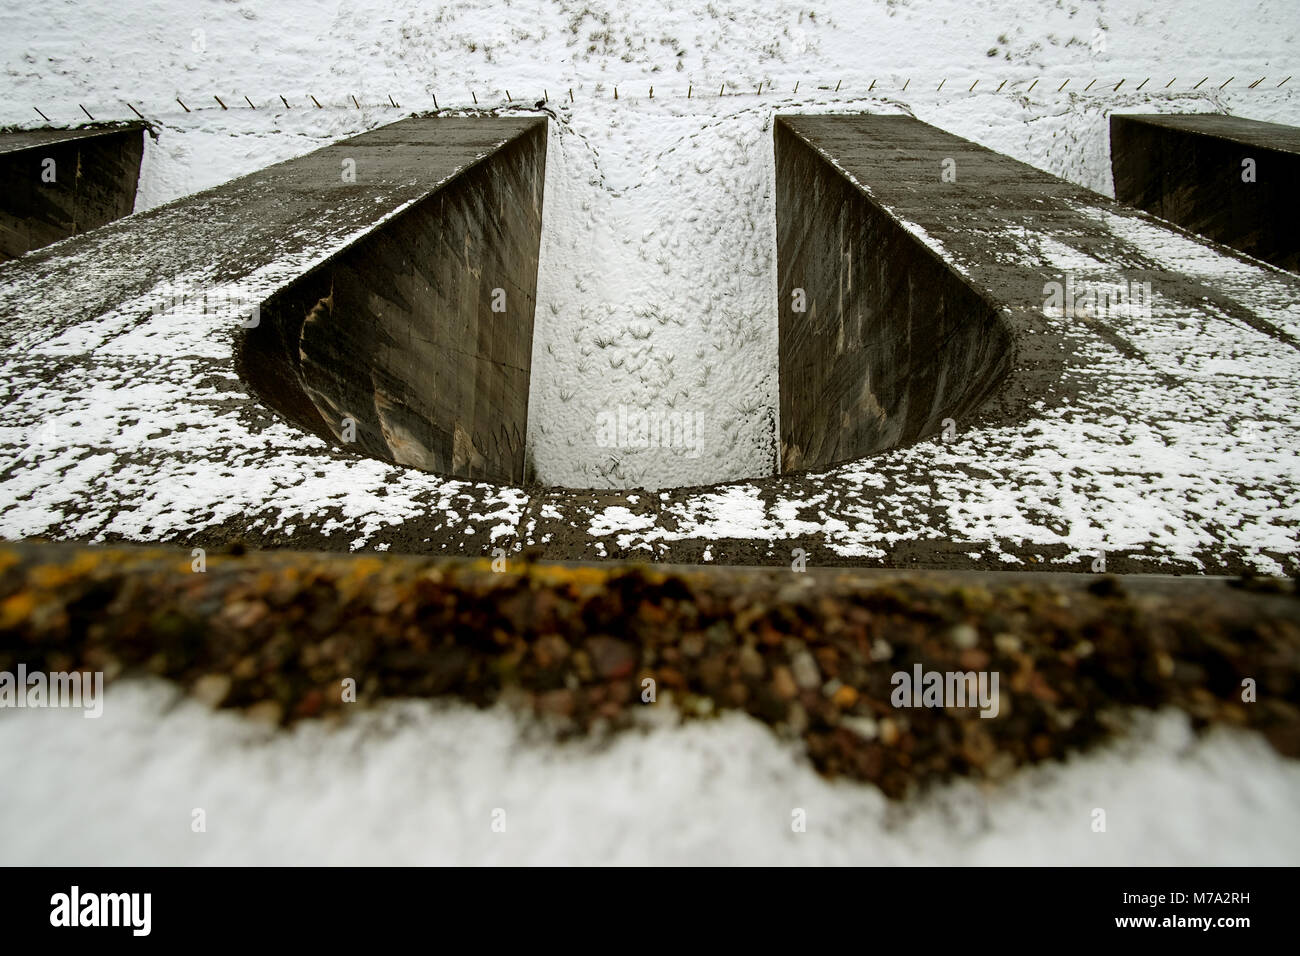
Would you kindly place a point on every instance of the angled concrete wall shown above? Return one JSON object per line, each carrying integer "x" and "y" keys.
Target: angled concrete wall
{"x": 55, "y": 183}
{"x": 880, "y": 340}
{"x": 1134, "y": 438}
{"x": 1233, "y": 180}
{"x": 414, "y": 344}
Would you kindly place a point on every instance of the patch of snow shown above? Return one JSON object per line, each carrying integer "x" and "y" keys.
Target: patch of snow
{"x": 417, "y": 783}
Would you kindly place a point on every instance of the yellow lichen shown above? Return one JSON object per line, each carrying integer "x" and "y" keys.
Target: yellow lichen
{"x": 16, "y": 608}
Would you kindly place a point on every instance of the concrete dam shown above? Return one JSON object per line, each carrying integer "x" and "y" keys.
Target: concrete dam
{"x": 348, "y": 365}
{"x": 413, "y": 344}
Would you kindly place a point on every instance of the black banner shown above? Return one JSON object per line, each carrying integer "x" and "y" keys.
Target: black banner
{"x": 331, "y": 906}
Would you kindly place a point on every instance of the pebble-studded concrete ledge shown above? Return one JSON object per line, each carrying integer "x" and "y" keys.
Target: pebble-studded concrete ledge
{"x": 1031, "y": 667}
{"x": 1134, "y": 439}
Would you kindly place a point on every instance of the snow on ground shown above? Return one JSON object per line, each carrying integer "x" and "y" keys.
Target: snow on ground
{"x": 418, "y": 783}
{"x": 658, "y": 273}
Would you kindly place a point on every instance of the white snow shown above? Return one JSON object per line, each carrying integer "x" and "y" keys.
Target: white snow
{"x": 417, "y": 783}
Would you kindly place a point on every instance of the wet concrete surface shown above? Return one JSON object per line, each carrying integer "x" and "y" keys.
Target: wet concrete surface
{"x": 880, "y": 340}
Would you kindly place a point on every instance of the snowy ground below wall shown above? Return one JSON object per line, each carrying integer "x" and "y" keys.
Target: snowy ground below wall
{"x": 419, "y": 783}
